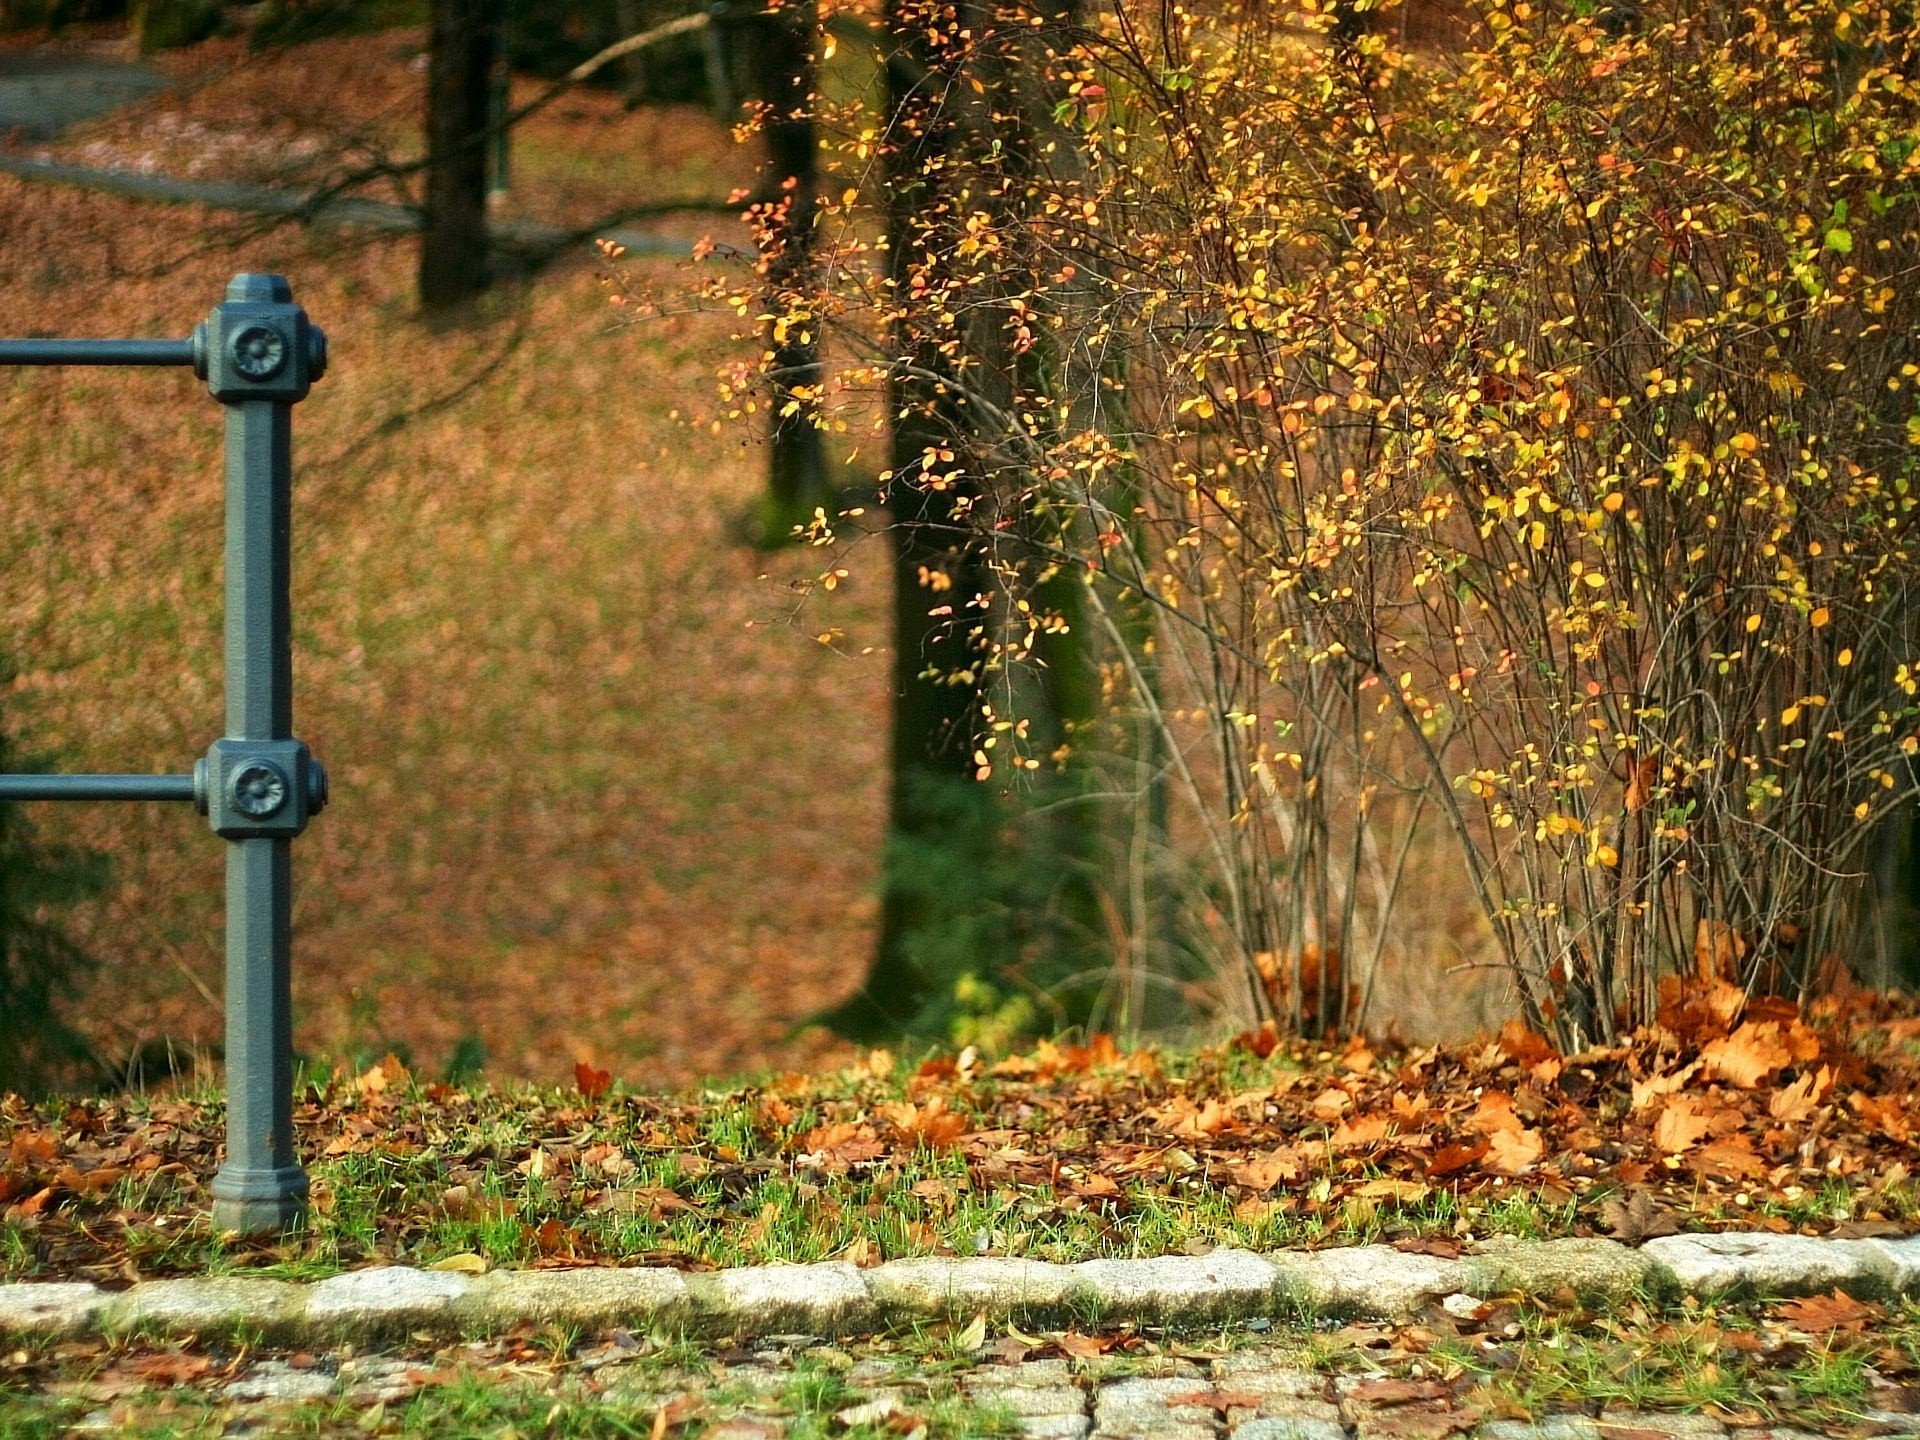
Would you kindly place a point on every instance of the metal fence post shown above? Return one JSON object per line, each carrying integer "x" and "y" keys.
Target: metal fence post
{"x": 257, "y": 785}
{"x": 259, "y": 356}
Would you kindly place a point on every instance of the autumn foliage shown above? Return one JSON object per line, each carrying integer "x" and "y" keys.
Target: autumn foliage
{"x": 1479, "y": 445}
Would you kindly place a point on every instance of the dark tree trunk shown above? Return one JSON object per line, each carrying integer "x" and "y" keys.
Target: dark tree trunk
{"x": 934, "y": 840}
{"x": 454, "y": 261}
{"x": 780, "y": 67}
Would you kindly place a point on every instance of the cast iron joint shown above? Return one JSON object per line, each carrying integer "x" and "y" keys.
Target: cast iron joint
{"x": 259, "y": 345}
{"x": 250, "y": 788}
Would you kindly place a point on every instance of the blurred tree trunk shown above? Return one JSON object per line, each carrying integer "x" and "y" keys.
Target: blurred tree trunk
{"x": 454, "y": 260}
{"x": 941, "y": 582}
{"x": 780, "y": 47}
{"x": 968, "y": 110}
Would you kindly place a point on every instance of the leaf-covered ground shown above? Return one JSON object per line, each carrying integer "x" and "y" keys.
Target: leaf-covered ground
{"x": 1728, "y": 1115}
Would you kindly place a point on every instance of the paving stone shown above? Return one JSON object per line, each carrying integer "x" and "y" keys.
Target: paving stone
{"x": 954, "y": 1289}
{"x": 873, "y": 1372}
{"x": 1285, "y": 1407}
{"x": 277, "y": 1380}
{"x": 1153, "y": 1430}
{"x": 1146, "y": 1405}
{"x": 387, "y": 1300}
{"x": 1161, "y": 1367}
{"x": 743, "y": 1427}
{"x": 193, "y": 1307}
{"x": 1892, "y": 1422}
{"x": 1289, "y": 1427}
{"x": 1029, "y": 1372}
{"x": 1590, "y": 1267}
{"x": 1029, "y": 1400}
{"x": 377, "y": 1379}
{"x": 756, "y": 1379}
{"x": 1225, "y": 1284}
{"x": 642, "y": 1299}
{"x": 1375, "y": 1281}
{"x": 1262, "y": 1374}
{"x": 1708, "y": 1265}
{"x": 1053, "y": 1427}
{"x": 55, "y": 1310}
{"x": 1644, "y": 1422}
{"x": 827, "y": 1299}
{"x": 1550, "y": 1427}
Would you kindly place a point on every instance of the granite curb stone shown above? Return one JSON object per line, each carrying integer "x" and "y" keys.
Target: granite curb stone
{"x": 1738, "y": 1263}
{"x": 53, "y": 1310}
{"x": 1370, "y": 1281}
{"x": 221, "y": 1303}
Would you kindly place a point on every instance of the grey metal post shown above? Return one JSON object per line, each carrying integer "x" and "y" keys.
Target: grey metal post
{"x": 257, "y": 785}
{"x": 259, "y": 356}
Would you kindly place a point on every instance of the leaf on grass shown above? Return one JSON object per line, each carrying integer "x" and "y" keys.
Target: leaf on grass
{"x": 167, "y": 1367}
{"x": 931, "y": 1125}
{"x": 1369, "y": 1129}
{"x": 974, "y": 1336}
{"x": 1406, "y": 1192}
{"x": 1747, "y": 1056}
{"x": 1795, "y": 1101}
{"x": 1514, "y": 1152}
{"x": 1455, "y": 1157}
{"x": 1219, "y": 1400}
{"x": 1733, "y": 1158}
{"x": 465, "y": 1263}
{"x": 1086, "y": 1347}
{"x": 1438, "y": 1246}
{"x": 1398, "y": 1392}
{"x": 590, "y": 1082}
{"x": 1822, "y": 1314}
{"x": 1638, "y": 1218}
{"x": 1264, "y": 1172}
{"x": 1681, "y": 1125}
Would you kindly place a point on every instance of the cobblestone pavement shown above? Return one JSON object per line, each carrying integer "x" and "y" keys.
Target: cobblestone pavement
{"x": 795, "y": 1388}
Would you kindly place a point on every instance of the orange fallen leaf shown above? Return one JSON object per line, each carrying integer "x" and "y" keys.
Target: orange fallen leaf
{"x": 1680, "y": 1125}
{"x": 1821, "y": 1314}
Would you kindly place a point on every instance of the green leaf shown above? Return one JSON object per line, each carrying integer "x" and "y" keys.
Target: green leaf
{"x": 1840, "y": 239}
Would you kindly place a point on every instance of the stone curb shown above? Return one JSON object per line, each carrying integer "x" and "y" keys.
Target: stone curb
{"x": 1361, "y": 1282}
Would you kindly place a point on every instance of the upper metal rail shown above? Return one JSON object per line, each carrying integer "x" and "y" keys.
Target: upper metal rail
{"x": 96, "y": 352}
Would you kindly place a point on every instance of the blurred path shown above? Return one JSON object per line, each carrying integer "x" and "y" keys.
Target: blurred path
{"x": 531, "y": 237}
{"x": 42, "y": 94}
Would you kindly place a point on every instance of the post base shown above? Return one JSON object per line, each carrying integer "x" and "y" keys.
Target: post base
{"x": 253, "y": 1202}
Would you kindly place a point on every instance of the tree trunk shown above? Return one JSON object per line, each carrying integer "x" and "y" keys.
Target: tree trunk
{"x": 454, "y": 262}
{"x": 935, "y": 841}
{"x": 781, "y": 47}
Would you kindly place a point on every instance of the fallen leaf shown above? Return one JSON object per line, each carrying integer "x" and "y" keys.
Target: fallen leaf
{"x": 1637, "y": 1218}
{"x": 590, "y": 1082}
{"x": 1514, "y": 1152}
{"x": 465, "y": 1263}
{"x": 1822, "y": 1314}
{"x": 1398, "y": 1392}
{"x": 1681, "y": 1124}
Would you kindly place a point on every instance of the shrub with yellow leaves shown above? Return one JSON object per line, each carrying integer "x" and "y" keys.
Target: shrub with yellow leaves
{"x": 1489, "y": 428}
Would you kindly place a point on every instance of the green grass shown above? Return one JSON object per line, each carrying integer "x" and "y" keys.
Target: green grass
{"x": 1686, "y": 1358}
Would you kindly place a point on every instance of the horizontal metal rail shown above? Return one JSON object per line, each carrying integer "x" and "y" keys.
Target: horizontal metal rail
{"x": 96, "y": 352}
{"x": 97, "y": 787}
